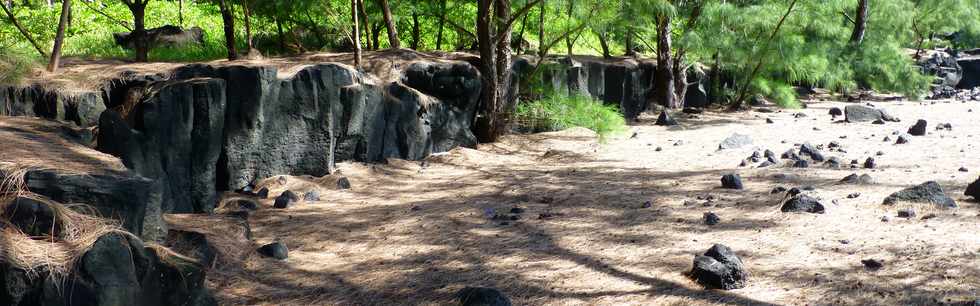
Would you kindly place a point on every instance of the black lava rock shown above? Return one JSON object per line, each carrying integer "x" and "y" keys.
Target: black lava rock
{"x": 665, "y": 119}
{"x": 803, "y": 203}
{"x": 311, "y": 196}
{"x": 479, "y": 296}
{"x": 928, "y": 192}
{"x": 275, "y": 250}
{"x": 343, "y": 183}
{"x": 872, "y": 264}
{"x": 906, "y": 213}
{"x": 869, "y": 163}
{"x": 834, "y": 112}
{"x": 719, "y": 268}
{"x": 711, "y": 218}
{"x": 286, "y": 199}
{"x": 802, "y": 163}
{"x": 919, "y": 129}
{"x": 732, "y": 181}
{"x": 779, "y": 189}
{"x": 973, "y": 190}
{"x": 902, "y": 139}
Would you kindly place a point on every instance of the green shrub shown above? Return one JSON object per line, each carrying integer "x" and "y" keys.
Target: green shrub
{"x": 562, "y": 111}
{"x": 14, "y": 66}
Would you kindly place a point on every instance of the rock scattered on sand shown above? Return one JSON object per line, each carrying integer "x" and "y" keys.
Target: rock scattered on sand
{"x": 928, "y": 192}
{"x": 872, "y": 264}
{"x": 836, "y": 111}
{"x": 863, "y": 179}
{"x": 803, "y": 203}
{"x": 769, "y": 121}
{"x": 919, "y": 129}
{"x": 665, "y": 119}
{"x": 263, "y": 193}
{"x": 732, "y": 181}
{"x": 275, "y": 250}
{"x": 870, "y": 163}
{"x": 481, "y": 296}
{"x": 964, "y": 169}
{"x": 906, "y": 213}
{"x": 343, "y": 183}
{"x": 902, "y": 139}
{"x": 286, "y": 199}
{"x": 802, "y": 163}
{"x": 779, "y": 189}
{"x": 311, "y": 196}
{"x": 735, "y": 141}
{"x": 854, "y": 195}
{"x": 719, "y": 268}
{"x": 973, "y": 190}
{"x": 711, "y": 218}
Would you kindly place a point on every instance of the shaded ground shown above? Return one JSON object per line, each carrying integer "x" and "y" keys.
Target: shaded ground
{"x": 413, "y": 233}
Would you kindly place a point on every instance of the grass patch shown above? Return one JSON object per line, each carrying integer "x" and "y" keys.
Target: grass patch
{"x": 14, "y": 67}
{"x": 558, "y": 112}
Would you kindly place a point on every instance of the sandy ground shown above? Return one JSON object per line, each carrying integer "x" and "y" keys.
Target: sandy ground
{"x": 413, "y": 233}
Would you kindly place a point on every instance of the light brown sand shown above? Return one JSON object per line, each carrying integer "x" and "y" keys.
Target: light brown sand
{"x": 408, "y": 234}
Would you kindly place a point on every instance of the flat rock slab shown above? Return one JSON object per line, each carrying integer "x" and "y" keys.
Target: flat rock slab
{"x": 928, "y": 192}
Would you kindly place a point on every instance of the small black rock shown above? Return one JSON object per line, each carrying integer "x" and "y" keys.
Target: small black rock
{"x": 263, "y": 193}
{"x": 869, "y": 163}
{"x": 479, "y": 296}
{"x": 872, "y": 264}
{"x": 665, "y": 119}
{"x": 286, "y": 199}
{"x": 919, "y": 129}
{"x": 906, "y": 213}
{"x": 803, "y": 203}
{"x": 731, "y": 181}
{"x": 275, "y": 250}
{"x": 711, "y": 218}
{"x": 343, "y": 183}
{"x": 719, "y": 268}
{"x": 311, "y": 196}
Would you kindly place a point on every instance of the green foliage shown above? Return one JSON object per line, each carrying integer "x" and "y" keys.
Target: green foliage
{"x": 14, "y": 66}
{"x": 562, "y": 111}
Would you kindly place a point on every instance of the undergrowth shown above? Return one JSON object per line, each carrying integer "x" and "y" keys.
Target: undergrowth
{"x": 562, "y": 111}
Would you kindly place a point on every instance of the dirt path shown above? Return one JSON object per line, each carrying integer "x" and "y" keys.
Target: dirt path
{"x": 412, "y": 233}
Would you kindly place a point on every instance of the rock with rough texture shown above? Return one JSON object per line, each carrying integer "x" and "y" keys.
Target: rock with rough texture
{"x": 802, "y": 203}
{"x": 81, "y": 107}
{"x": 863, "y": 179}
{"x": 861, "y": 113}
{"x": 117, "y": 270}
{"x": 286, "y": 199}
{"x": 919, "y": 129}
{"x": 971, "y": 72}
{"x": 275, "y": 250}
{"x": 928, "y": 192}
{"x": 480, "y": 296}
{"x": 711, "y": 218}
{"x": 735, "y": 141}
{"x": 74, "y": 173}
{"x": 665, "y": 120}
{"x": 973, "y": 190}
{"x": 719, "y": 268}
{"x": 732, "y": 181}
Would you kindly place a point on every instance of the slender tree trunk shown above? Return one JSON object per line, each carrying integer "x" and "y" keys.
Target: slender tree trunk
{"x": 604, "y": 44}
{"x": 714, "y": 79}
{"x": 228, "y": 18}
{"x": 139, "y": 31}
{"x": 248, "y": 26}
{"x": 23, "y": 31}
{"x": 680, "y": 82}
{"x": 485, "y": 129}
{"x": 376, "y": 35}
{"x": 541, "y": 43}
{"x": 366, "y": 25}
{"x": 629, "y": 42}
{"x": 59, "y": 38}
{"x": 664, "y": 86}
{"x": 508, "y": 103}
{"x": 569, "y": 41}
{"x": 9, "y": 4}
{"x": 416, "y": 30}
{"x": 860, "y": 22}
{"x": 279, "y": 34}
{"x": 442, "y": 23}
{"x": 180, "y": 13}
{"x": 356, "y": 36}
{"x": 520, "y": 36}
{"x": 390, "y": 23}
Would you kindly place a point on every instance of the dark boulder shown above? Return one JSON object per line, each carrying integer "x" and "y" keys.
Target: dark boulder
{"x": 803, "y": 203}
{"x": 731, "y": 181}
{"x": 665, "y": 120}
{"x": 860, "y": 113}
{"x": 928, "y": 192}
{"x": 870, "y": 163}
{"x": 275, "y": 250}
{"x": 165, "y": 36}
{"x": 719, "y": 268}
{"x": 711, "y": 218}
{"x": 479, "y": 296}
{"x": 836, "y": 111}
{"x": 856, "y": 179}
{"x": 311, "y": 196}
{"x": 343, "y": 183}
{"x": 802, "y": 163}
{"x": 973, "y": 190}
{"x": 286, "y": 199}
{"x": 919, "y": 129}
{"x": 971, "y": 72}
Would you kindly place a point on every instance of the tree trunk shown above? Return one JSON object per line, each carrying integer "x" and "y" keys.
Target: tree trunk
{"x": 180, "y": 13}
{"x": 714, "y": 79}
{"x": 356, "y": 36}
{"x": 680, "y": 82}
{"x": 366, "y": 25}
{"x": 376, "y": 35}
{"x": 228, "y": 18}
{"x": 664, "y": 85}
{"x": 59, "y": 38}
{"x": 604, "y": 44}
{"x": 442, "y": 23}
{"x": 629, "y": 42}
{"x": 860, "y": 22}
{"x": 390, "y": 24}
{"x": 541, "y": 42}
{"x": 416, "y": 30}
{"x": 248, "y": 26}
{"x": 569, "y": 41}
{"x": 280, "y": 36}
{"x": 23, "y": 31}
{"x": 486, "y": 129}
{"x": 139, "y": 31}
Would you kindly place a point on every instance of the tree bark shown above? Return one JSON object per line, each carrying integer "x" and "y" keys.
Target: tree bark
{"x": 485, "y": 128}
{"x": 442, "y": 23}
{"x": 228, "y": 18}
{"x": 664, "y": 85}
{"x": 59, "y": 38}
{"x": 180, "y": 13}
{"x": 569, "y": 41}
{"x": 604, "y": 44}
{"x": 541, "y": 51}
{"x": 23, "y": 31}
{"x": 248, "y": 26}
{"x": 629, "y": 42}
{"x": 416, "y": 31}
{"x": 390, "y": 24}
{"x": 366, "y": 25}
{"x": 376, "y": 35}
{"x": 281, "y": 37}
{"x": 860, "y": 22}
{"x": 356, "y": 36}
{"x": 138, "y": 9}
